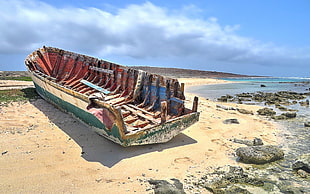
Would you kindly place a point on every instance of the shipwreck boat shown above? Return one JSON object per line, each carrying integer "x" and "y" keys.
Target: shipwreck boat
{"x": 125, "y": 105}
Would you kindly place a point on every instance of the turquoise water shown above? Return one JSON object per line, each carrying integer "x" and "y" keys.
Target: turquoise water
{"x": 296, "y": 137}
{"x": 251, "y": 85}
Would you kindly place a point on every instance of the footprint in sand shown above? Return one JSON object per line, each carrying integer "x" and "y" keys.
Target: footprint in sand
{"x": 184, "y": 160}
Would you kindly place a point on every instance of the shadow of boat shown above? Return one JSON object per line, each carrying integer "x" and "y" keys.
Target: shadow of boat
{"x": 96, "y": 148}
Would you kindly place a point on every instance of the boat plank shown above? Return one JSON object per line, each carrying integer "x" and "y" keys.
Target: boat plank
{"x": 100, "y": 89}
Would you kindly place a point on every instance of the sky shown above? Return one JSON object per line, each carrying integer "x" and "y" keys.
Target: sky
{"x": 257, "y": 37}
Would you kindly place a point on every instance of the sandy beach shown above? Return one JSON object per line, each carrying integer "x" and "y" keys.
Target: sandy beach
{"x": 11, "y": 84}
{"x": 47, "y": 151}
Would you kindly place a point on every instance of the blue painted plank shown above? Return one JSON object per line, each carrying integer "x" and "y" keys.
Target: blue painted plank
{"x": 100, "y": 89}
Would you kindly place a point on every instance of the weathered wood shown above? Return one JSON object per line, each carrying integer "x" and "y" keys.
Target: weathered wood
{"x": 138, "y": 107}
{"x": 182, "y": 87}
{"x": 138, "y": 113}
{"x": 195, "y": 104}
{"x": 100, "y": 89}
{"x": 175, "y": 89}
{"x": 140, "y": 124}
{"x": 139, "y": 85}
{"x": 163, "y": 116}
{"x": 168, "y": 95}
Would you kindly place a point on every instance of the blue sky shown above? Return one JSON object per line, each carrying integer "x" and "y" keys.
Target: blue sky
{"x": 257, "y": 37}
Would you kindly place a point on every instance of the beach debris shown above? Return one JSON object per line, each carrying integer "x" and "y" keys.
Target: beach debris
{"x": 5, "y": 152}
{"x": 307, "y": 124}
{"x": 164, "y": 187}
{"x": 259, "y": 154}
{"x": 231, "y": 121}
{"x": 255, "y": 142}
{"x": 302, "y": 162}
{"x": 98, "y": 180}
{"x": 263, "y": 86}
{"x": 266, "y": 111}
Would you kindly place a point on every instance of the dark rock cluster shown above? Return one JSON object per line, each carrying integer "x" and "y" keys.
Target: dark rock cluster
{"x": 165, "y": 187}
{"x": 228, "y": 179}
{"x": 279, "y": 100}
{"x": 266, "y": 112}
{"x": 285, "y": 98}
{"x": 283, "y": 116}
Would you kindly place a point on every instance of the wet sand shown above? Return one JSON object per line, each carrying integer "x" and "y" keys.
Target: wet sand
{"x": 47, "y": 151}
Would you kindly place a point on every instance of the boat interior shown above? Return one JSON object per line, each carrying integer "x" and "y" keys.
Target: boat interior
{"x": 144, "y": 99}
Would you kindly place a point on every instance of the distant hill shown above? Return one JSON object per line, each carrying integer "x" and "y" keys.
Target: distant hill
{"x": 177, "y": 72}
{"x": 170, "y": 72}
{"x": 4, "y": 74}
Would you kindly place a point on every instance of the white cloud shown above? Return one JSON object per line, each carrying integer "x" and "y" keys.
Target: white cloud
{"x": 141, "y": 31}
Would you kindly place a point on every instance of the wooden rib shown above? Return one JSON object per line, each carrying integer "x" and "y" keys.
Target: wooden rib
{"x": 130, "y": 119}
{"x": 126, "y": 113}
{"x": 140, "y": 109}
{"x": 135, "y": 112}
{"x": 140, "y": 124}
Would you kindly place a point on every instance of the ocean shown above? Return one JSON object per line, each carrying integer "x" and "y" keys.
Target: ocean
{"x": 295, "y": 136}
{"x": 239, "y": 85}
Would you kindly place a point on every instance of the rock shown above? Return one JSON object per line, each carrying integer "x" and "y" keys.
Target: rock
{"x": 304, "y": 103}
{"x": 243, "y": 141}
{"x": 245, "y": 95}
{"x": 225, "y": 178}
{"x": 280, "y": 107}
{"x": 225, "y": 98}
{"x": 303, "y": 174}
{"x": 307, "y": 124}
{"x": 302, "y": 162}
{"x": 225, "y": 107}
{"x": 235, "y": 189}
{"x": 262, "y": 85}
{"x": 244, "y": 111}
{"x": 164, "y": 187}
{"x": 231, "y": 121}
{"x": 266, "y": 112}
{"x": 255, "y": 142}
{"x": 290, "y": 114}
{"x": 259, "y": 154}
{"x": 283, "y": 116}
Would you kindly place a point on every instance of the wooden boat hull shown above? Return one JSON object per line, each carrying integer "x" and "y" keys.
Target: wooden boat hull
{"x": 111, "y": 123}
